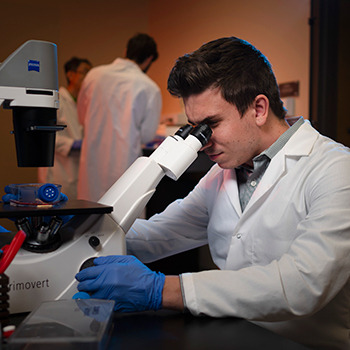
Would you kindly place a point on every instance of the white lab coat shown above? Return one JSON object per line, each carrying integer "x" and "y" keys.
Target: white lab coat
{"x": 66, "y": 162}
{"x": 119, "y": 107}
{"x": 285, "y": 261}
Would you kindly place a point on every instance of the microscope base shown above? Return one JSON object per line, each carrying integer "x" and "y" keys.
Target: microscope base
{"x": 38, "y": 277}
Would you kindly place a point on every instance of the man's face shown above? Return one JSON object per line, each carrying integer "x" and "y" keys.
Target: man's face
{"x": 76, "y": 77}
{"x": 235, "y": 139}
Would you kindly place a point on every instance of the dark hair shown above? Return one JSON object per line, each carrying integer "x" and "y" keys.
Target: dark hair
{"x": 140, "y": 47}
{"x": 236, "y": 67}
{"x": 73, "y": 64}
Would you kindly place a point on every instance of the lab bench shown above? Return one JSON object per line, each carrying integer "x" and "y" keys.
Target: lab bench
{"x": 174, "y": 330}
{"x": 170, "y": 330}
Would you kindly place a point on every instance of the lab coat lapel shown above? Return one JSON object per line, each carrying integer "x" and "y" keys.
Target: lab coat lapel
{"x": 273, "y": 173}
{"x": 231, "y": 189}
{"x": 299, "y": 145}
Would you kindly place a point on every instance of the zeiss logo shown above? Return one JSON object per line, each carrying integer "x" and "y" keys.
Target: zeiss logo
{"x": 33, "y": 65}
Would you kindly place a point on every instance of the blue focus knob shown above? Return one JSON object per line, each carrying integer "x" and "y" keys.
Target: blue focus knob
{"x": 48, "y": 192}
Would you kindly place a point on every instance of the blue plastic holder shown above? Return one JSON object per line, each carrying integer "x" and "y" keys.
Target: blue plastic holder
{"x": 48, "y": 192}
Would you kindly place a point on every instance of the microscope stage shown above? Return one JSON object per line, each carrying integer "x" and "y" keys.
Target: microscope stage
{"x": 74, "y": 207}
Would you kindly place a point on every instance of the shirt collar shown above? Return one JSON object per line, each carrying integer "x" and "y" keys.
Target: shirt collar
{"x": 270, "y": 152}
{"x": 281, "y": 141}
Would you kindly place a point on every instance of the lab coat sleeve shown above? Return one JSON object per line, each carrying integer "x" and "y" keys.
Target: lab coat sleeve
{"x": 180, "y": 227}
{"x": 152, "y": 116}
{"x": 304, "y": 279}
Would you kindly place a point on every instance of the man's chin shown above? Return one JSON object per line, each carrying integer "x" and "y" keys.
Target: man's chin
{"x": 223, "y": 166}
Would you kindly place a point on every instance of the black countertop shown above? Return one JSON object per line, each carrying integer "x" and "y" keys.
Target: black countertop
{"x": 170, "y": 330}
{"x": 174, "y": 330}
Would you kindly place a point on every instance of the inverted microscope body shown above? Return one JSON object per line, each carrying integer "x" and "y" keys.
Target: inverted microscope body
{"x": 38, "y": 277}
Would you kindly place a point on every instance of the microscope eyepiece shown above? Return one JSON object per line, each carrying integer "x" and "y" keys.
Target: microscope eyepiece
{"x": 202, "y": 132}
{"x": 184, "y": 131}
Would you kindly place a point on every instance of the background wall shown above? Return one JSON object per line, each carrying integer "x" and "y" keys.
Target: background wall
{"x": 279, "y": 28}
{"x": 99, "y": 31}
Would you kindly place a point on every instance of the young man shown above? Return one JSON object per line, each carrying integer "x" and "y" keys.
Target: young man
{"x": 68, "y": 142}
{"x": 274, "y": 211}
{"x": 119, "y": 107}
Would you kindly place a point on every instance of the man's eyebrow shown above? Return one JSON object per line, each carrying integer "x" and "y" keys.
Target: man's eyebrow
{"x": 189, "y": 122}
{"x": 207, "y": 120}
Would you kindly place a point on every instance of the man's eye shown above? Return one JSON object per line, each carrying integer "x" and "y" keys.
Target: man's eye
{"x": 213, "y": 124}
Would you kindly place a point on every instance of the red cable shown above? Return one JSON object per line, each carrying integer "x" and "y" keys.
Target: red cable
{"x": 10, "y": 251}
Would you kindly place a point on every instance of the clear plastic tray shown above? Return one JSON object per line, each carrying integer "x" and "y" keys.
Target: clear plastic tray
{"x": 65, "y": 324}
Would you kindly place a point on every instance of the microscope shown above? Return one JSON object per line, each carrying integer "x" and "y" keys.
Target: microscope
{"x": 29, "y": 86}
{"x": 44, "y": 269}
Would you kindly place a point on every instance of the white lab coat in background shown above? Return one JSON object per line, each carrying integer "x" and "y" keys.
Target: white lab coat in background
{"x": 285, "y": 261}
{"x": 119, "y": 107}
{"x": 66, "y": 163}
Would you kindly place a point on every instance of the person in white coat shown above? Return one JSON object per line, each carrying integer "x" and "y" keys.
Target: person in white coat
{"x": 119, "y": 107}
{"x": 68, "y": 141}
{"x": 274, "y": 210}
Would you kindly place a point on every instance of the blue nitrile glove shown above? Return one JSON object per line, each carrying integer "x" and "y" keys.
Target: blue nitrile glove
{"x": 76, "y": 145}
{"x": 3, "y": 229}
{"x": 6, "y": 198}
{"x": 124, "y": 279}
{"x": 63, "y": 197}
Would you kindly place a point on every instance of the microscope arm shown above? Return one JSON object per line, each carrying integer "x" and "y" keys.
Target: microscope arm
{"x": 130, "y": 194}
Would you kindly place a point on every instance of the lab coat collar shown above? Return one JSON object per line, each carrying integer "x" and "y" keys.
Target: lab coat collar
{"x": 302, "y": 142}
{"x": 64, "y": 93}
{"x": 125, "y": 63}
{"x": 299, "y": 145}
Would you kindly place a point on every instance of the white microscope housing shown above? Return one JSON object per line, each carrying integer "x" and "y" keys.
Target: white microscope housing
{"x": 29, "y": 86}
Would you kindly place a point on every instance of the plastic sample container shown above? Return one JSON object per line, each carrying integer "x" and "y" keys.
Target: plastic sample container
{"x": 65, "y": 324}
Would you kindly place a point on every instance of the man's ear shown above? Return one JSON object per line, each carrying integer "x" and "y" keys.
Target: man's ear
{"x": 262, "y": 105}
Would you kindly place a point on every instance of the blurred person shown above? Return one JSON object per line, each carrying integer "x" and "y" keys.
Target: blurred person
{"x": 68, "y": 141}
{"x": 119, "y": 107}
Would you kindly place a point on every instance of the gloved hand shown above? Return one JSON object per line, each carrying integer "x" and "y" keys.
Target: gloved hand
{"x": 76, "y": 145}
{"x": 124, "y": 279}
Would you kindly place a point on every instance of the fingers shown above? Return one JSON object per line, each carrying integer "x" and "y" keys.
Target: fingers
{"x": 93, "y": 271}
{"x": 91, "y": 279}
{"x": 88, "y": 273}
{"x": 111, "y": 259}
{"x": 103, "y": 279}
{"x": 86, "y": 286}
